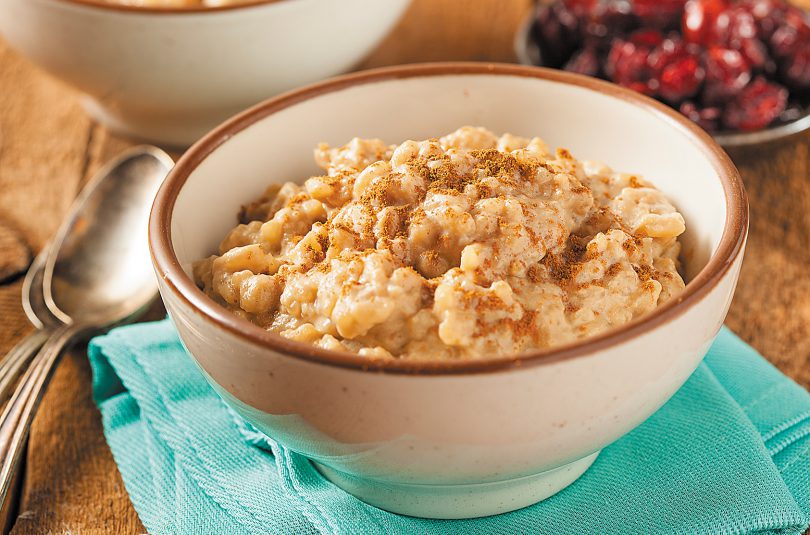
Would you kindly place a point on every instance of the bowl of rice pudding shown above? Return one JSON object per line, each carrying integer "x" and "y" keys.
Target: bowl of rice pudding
{"x": 450, "y": 285}
{"x": 170, "y": 70}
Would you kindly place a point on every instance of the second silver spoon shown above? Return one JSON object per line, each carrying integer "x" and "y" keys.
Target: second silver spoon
{"x": 97, "y": 274}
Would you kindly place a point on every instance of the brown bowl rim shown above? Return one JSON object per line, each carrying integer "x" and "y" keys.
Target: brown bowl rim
{"x": 176, "y": 281}
{"x": 168, "y": 10}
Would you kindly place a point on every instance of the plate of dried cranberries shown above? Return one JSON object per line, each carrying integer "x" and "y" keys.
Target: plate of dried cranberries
{"x": 738, "y": 68}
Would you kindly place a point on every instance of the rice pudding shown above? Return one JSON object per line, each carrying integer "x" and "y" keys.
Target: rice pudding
{"x": 460, "y": 247}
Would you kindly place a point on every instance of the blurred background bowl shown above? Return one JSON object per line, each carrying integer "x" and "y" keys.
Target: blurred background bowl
{"x": 528, "y": 53}
{"x": 170, "y": 74}
{"x": 766, "y": 135}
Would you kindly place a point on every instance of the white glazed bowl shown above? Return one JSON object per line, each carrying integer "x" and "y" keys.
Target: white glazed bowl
{"x": 170, "y": 75}
{"x": 451, "y": 439}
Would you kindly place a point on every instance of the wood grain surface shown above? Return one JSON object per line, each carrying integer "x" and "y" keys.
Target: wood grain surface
{"x": 48, "y": 149}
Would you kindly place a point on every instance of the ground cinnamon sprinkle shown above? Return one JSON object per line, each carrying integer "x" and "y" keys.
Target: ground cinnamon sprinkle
{"x": 298, "y": 198}
{"x": 559, "y": 270}
{"x": 580, "y": 189}
{"x": 379, "y": 193}
{"x": 396, "y": 224}
{"x": 644, "y": 273}
{"x": 430, "y": 263}
{"x": 564, "y": 267}
{"x": 526, "y": 326}
{"x": 399, "y": 239}
{"x": 416, "y": 216}
{"x": 500, "y": 164}
{"x": 632, "y": 244}
{"x": 613, "y": 270}
{"x": 535, "y": 273}
{"x": 442, "y": 175}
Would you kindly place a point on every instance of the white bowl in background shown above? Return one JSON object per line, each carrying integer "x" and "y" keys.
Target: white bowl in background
{"x": 170, "y": 75}
{"x": 451, "y": 439}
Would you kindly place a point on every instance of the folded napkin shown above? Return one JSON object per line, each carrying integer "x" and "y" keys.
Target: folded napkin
{"x": 729, "y": 453}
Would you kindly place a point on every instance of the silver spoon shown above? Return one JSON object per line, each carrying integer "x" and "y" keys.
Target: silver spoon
{"x": 33, "y": 302}
{"x": 97, "y": 273}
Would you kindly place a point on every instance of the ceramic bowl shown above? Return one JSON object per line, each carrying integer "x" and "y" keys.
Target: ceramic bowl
{"x": 170, "y": 75}
{"x": 451, "y": 439}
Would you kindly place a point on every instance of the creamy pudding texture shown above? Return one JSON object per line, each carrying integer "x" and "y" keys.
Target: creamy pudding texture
{"x": 463, "y": 247}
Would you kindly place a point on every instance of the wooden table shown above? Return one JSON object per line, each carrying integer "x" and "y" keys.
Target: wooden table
{"x": 49, "y": 148}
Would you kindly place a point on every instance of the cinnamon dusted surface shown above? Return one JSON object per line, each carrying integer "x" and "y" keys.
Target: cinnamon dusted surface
{"x": 48, "y": 148}
{"x": 451, "y": 248}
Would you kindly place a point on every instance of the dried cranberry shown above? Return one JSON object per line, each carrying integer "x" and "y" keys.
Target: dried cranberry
{"x": 757, "y": 106}
{"x": 795, "y": 69}
{"x": 663, "y": 14}
{"x": 681, "y": 79}
{"x": 556, "y": 33}
{"x": 677, "y": 69}
{"x": 586, "y": 62}
{"x": 627, "y": 65}
{"x": 768, "y": 14}
{"x": 614, "y": 16}
{"x": 619, "y": 50}
{"x": 646, "y": 38}
{"x": 796, "y": 17}
{"x": 698, "y": 19}
{"x": 592, "y": 17}
{"x": 708, "y": 118}
{"x": 734, "y": 25}
{"x": 580, "y": 8}
{"x": 790, "y": 35}
{"x": 713, "y": 69}
{"x": 621, "y": 53}
{"x": 727, "y": 73}
{"x": 783, "y": 40}
{"x": 689, "y": 109}
{"x": 670, "y": 49}
{"x": 756, "y": 54}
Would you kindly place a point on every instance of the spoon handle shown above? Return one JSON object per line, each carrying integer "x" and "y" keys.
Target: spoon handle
{"x": 21, "y": 408}
{"x": 13, "y": 363}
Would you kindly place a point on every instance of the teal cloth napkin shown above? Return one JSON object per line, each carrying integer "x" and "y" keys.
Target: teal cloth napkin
{"x": 729, "y": 453}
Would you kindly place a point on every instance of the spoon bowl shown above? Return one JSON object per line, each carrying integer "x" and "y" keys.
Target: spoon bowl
{"x": 98, "y": 270}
